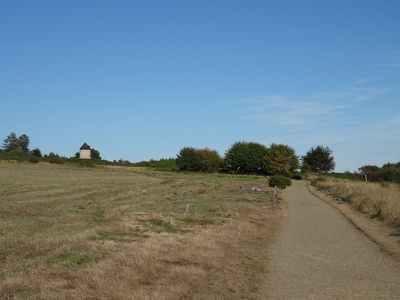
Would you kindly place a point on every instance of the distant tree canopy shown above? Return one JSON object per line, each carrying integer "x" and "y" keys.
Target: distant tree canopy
{"x": 372, "y": 173}
{"x": 24, "y": 142}
{"x": 206, "y": 160}
{"x": 319, "y": 159}
{"x": 52, "y": 155}
{"x": 95, "y": 154}
{"x": 241, "y": 158}
{"x": 391, "y": 172}
{"x": 188, "y": 159}
{"x": 245, "y": 157}
{"x": 211, "y": 161}
{"x": 12, "y": 143}
{"x": 280, "y": 159}
{"x": 36, "y": 152}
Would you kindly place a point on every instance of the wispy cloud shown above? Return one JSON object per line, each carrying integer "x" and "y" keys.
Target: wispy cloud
{"x": 387, "y": 65}
{"x": 394, "y": 61}
{"x": 359, "y": 94}
{"x": 357, "y": 120}
{"x": 364, "y": 80}
{"x": 393, "y": 122}
{"x": 309, "y": 109}
{"x": 370, "y": 90}
{"x": 280, "y": 110}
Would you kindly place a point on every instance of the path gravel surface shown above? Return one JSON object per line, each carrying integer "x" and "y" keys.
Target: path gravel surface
{"x": 319, "y": 254}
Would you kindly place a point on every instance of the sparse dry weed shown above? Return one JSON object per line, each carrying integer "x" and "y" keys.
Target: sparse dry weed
{"x": 377, "y": 200}
{"x": 76, "y": 233}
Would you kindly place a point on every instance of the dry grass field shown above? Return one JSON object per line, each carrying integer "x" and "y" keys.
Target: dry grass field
{"x": 123, "y": 233}
{"x": 381, "y": 201}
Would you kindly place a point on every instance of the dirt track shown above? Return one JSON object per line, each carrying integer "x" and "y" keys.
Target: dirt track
{"x": 319, "y": 254}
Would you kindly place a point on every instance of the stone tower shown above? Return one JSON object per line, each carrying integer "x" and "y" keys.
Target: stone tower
{"x": 85, "y": 152}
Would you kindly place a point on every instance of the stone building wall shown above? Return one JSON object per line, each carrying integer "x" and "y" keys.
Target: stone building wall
{"x": 84, "y": 154}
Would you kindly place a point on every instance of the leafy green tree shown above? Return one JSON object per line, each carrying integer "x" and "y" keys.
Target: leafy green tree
{"x": 305, "y": 168}
{"x": 24, "y": 142}
{"x": 245, "y": 157}
{"x": 36, "y": 152}
{"x": 188, "y": 159}
{"x": 52, "y": 155}
{"x": 319, "y": 159}
{"x": 372, "y": 173}
{"x": 95, "y": 154}
{"x": 280, "y": 160}
{"x": 391, "y": 172}
{"x": 211, "y": 161}
{"x": 11, "y": 142}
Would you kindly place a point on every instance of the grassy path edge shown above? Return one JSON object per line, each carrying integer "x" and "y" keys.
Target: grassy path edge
{"x": 378, "y": 232}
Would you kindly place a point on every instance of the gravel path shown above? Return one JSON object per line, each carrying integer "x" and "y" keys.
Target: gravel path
{"x": 319, "y": 254}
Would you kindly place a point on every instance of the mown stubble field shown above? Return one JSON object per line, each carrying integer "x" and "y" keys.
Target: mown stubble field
{"x": 123, "y": 233}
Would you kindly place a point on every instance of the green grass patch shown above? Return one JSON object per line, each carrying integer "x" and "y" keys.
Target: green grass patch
{"x": 395, "y": 233}
{"x": 207, "y": 208}
{"x": 159, "y": 226}
{"x": 159, "y": 165}
{"x": 97, "y": 219}
{"x": 73, "y": 260}
{"x": 3, "y": 231}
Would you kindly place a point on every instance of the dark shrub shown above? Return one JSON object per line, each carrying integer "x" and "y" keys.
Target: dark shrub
{"x": 142, "y": 164}
{"x": 391, "y": 172}
{"x": 296, "y": 176}
{"x": 245, "y": 158}
{"x": 56, "y": 160}
{"x": 33, "y": 160}
{"x": 188, "y": 159}
{"x": 36, "y": 152}
{"x": 280, "y": 181}
{"x": 86, "y": 163}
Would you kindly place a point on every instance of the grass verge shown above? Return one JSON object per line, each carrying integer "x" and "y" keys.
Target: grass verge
{"x": 380, "y": 201}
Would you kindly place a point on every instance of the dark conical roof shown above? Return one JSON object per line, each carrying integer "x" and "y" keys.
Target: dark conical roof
{"x": 85, "y": 147}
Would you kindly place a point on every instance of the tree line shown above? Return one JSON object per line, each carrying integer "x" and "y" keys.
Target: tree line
{"x": 240, "y": 158}
{"x": 389, "y": 172}
{"x": 13, "y": 143}
{"x": 255, "y": 158}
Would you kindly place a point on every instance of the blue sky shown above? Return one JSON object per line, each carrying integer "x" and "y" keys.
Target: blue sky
{"x": 140, "y": 80}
